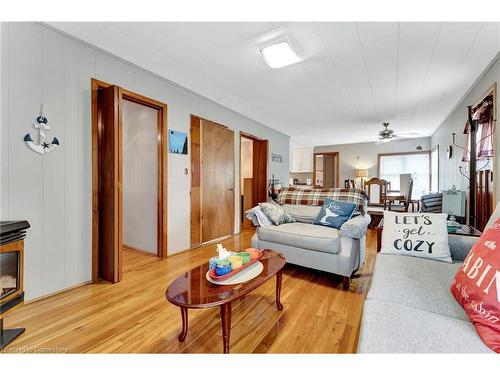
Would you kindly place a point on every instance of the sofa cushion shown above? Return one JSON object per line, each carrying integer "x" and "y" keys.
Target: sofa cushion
{"x": 306, "y": 236}
{"x": 416, "y": 282}
{"x": 302, "y": 213}
{"x": 460, "y": 246}
{"x": 393, "y": 328}
{"x": 276, "y": 214}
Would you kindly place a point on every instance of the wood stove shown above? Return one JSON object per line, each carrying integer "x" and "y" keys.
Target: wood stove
{"x": 12, "y": 235}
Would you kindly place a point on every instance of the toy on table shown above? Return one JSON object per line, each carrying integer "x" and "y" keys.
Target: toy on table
{"x": 254, "y": 253}
{"x": 236, "y": 261}
{"x": 223, "y": 254}
{"x": 245, "y": 256}
{"x": 222, "y": 266}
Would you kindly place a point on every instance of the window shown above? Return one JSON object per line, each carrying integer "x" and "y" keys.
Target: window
{"x": 391, "y": 166}
{"x": 435, "y": 169}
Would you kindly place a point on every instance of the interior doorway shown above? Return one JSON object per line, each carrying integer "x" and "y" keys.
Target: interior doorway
{"x": 254, "y": 154}
{"x": 129, "y": 186}
{"x": 212, "y": 181}
{"x": 326, "y": 170}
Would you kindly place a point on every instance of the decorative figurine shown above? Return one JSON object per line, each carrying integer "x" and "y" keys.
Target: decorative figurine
{"x": 42, "y": 147}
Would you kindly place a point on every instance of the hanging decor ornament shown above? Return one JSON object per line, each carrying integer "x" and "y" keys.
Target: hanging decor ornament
{"x": 42, "y": 147}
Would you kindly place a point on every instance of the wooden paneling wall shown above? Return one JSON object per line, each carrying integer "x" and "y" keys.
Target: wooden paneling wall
{"x": 54, "y": 192}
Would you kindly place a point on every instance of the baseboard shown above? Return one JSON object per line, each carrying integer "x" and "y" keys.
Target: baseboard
{"x": 37, "y": 299}
{"x": 220, "y": 239}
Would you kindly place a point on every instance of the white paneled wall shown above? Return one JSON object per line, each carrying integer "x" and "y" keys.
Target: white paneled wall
{"x": 40, "y": 65}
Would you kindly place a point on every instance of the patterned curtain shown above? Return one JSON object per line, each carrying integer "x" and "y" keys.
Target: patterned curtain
{"x": 483, "y": 114}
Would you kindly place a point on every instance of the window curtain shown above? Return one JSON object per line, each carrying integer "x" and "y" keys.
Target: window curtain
{"x": 483, "y": 114}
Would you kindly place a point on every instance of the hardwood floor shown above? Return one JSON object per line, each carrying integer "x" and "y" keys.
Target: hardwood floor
{"x": 133, "y": 316}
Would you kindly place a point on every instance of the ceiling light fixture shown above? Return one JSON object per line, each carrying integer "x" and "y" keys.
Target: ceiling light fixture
{"x": 279, "y": 54}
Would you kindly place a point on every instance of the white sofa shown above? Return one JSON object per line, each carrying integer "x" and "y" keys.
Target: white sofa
{"x": 341, "y": 252}
{"x": 410, "y": 309}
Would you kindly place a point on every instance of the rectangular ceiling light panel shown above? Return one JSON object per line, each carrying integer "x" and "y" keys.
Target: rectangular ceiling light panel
{"x": 279, "y": 55}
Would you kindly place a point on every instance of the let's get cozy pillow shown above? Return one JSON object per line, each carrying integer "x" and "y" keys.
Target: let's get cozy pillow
{"x": 422, "y": 235}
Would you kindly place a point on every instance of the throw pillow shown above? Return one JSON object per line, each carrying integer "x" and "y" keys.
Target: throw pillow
{"x": 334, "y": 213}
{"x": 422, "y": 235}
{"x": 476, "y": 286}
{"x": 276, "y": 213}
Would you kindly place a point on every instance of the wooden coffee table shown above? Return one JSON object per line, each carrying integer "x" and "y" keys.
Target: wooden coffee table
{"x": 192, "y": 290}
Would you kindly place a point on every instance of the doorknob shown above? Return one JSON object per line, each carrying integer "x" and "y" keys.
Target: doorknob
{"x": 231, "y": 189}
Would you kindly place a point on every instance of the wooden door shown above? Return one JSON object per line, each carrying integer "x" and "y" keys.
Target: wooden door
{"x": 260, "y": 178}
{"x": 195, "y": 217}
{"x": 109, "y": 150}
{"x": 217, "y": 176}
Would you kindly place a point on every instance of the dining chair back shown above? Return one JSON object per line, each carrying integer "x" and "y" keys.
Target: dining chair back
{"x": 377, "y": 191}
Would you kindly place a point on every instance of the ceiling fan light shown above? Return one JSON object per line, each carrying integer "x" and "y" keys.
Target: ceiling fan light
{"x": 279, "y": 55}
{"x": 386, "y": 140}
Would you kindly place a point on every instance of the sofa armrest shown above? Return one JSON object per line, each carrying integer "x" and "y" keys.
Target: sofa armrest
{"x": 460, "y": 245}
{"x": 355, "y": 227}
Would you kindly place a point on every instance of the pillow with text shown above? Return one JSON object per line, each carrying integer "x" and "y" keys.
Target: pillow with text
{"x": 476, "y": 286}
{"x": 334, "y": 213}
{"x": 422, "y": 235}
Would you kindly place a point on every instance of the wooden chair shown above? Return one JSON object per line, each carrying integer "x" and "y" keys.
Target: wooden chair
{"x": 404, "y": 204}
{"x": 377, "y": 192}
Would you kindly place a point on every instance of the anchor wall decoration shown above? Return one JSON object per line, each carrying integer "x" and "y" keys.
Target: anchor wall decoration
{"x": 42, "y": 147}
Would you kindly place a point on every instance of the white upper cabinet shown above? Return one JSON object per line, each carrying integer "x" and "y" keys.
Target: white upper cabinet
{"x": 302, "y": 159}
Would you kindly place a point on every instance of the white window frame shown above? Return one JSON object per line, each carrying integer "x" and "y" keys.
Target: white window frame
{"x": 405, "y": 154}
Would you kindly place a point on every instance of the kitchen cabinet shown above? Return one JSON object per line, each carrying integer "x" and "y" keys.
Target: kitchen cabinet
{"x": 302, "y": 160}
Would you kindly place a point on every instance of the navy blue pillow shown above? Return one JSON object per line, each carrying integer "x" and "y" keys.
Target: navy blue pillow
{"x": 334, "y": 213}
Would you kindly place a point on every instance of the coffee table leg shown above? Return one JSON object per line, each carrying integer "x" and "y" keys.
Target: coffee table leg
{"x": 184, "y": 315}
{"x": 225, "y": 315}
{"x": 278, "y": 291}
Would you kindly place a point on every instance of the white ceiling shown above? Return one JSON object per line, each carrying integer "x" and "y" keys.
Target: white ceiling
{"x": 353, "y": 76}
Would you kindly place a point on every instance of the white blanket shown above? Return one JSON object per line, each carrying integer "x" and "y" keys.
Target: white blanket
{"x": 257, "y": 216}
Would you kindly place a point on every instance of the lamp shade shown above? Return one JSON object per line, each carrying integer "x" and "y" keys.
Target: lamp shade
{"x": 361, "y": 172}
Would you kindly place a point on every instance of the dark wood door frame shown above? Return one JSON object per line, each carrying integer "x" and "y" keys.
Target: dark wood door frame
{"x": 337, "y": 166}
{"x": 195, "y": 192}
{"x": 124, "y": 94}
{"x": 260, "y": 161}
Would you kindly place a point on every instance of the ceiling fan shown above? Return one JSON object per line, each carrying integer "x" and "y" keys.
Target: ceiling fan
{"x": 387, "y": 135}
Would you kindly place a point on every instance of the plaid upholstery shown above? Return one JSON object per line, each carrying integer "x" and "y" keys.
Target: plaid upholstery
{"x": 316, "y": 197}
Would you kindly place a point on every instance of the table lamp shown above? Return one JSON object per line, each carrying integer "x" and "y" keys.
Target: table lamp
{"x": 362, "y": 173}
